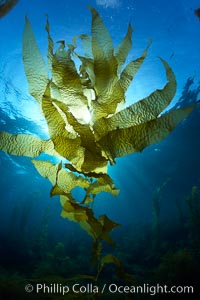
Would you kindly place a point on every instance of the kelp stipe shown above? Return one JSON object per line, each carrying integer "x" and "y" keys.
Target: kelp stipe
{"x": 97, "y": 90}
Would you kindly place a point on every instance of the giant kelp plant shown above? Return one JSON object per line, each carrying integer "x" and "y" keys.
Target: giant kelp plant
{"x": 86, "y": 121}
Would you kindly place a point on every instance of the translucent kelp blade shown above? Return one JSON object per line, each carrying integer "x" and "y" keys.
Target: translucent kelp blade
{"x": 25, "y": 145}
{"x": 60, "y": 178}
{"x": 54, "y": 91}
{"x": 121, "y": 142}
{"x": 55, "y": 121}
{"x": 111, "y": 259}
{"x": 131, "y": 69}
{"x": 99, "y": 228}
{"x": 65, "y": 143}
{"x": 65, "y": 74}
{"x": 142, "y": 111}
{"x": 108, "y": 225}
{"x": 124, "y": 47}
{"x": 120, "y": 272}
{"x": 47, "y": 170}
{"x": 103, "y": 184}
{"x": 83, "y": 130}
{"x": 114, "y": 90}
{"x": 93, "y": 159}
{"x": 65, "y": 77}
{"x": 101, "y": 40}
{"x": 68, "y": 81}
{"x": 50, "y": 46}
{"x": 34, "y": 65}
{"x": 87, "y": 67}
{"x": 87, "y": 45}
{"x": 91, "y": 174}
{"x": 108, "y": 101}
{"x": 87, "y": 72}
{"x": 94, "y": 162}
{"x": 75, "y": 212}
{"x": 107, "y": 90}
{"x": 62, "y": 67}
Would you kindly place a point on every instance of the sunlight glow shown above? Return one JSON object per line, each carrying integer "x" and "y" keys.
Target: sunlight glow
{"x": 87, "y": 117}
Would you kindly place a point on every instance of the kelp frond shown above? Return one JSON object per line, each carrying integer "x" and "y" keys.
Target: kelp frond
{"x": 6, "y": 6}
{"x": 84, "y": 124}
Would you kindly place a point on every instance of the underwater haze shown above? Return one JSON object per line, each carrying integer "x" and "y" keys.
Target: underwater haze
{"x": 154, "y": 236}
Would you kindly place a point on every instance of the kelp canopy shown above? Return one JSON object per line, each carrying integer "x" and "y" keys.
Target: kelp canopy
{"x": 86, "y": 122}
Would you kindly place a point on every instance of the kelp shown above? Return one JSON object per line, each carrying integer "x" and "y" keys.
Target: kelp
{"x": 6, "y": 6}
{"x": 108, "y": 259}
{"x": 120, "y": 272}
{"x": 88, "y": 122}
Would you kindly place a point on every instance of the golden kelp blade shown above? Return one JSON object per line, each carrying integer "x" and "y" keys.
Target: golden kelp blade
{"x": 151, "y": 106}
{"x": 78, "y": 146}
{"x": 130, "y": 70}
{"x": 92, "y": 156}
{"x": 102, "y": 45}
{"x": 122, "y": 51}
{"x": 109, "y": 88}
{"x": 124, "y": 141}
{"x": 142, "y": 111}
{"x": 99, "y": 228}
{"x": 65, "y": 77}
{"x": 59, "y": 177}
{"x": 25, "y": 145}
{"x": 120, "y": 272}
{"x": 111, "y": 259}
{"x": 50, "y": 46}
{"x": 102, "y": 184}
{"x": 106, "y": 87}
{"x": 63, "y": 183}
{"x": 66, "y": 144}
{"x": 34, "y": 65}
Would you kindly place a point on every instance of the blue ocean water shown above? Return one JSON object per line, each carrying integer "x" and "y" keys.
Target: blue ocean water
{"x": 27, "y": 212}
